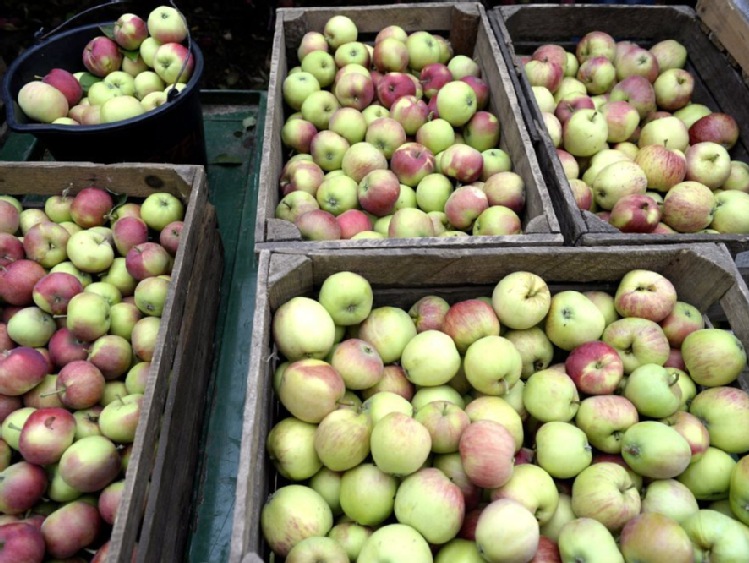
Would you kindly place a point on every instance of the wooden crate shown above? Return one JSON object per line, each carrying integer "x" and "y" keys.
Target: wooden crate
{"x": 718, "y": 85}
{"x": 152, "y": 514}
{"x": 703, "y": 274}
{"x": 467, "y": 27}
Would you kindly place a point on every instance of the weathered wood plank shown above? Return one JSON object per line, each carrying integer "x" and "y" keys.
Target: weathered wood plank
{"x": 729, "y": 21}
{"x": 467, "y": 26}
{"x": 173, "y": 481}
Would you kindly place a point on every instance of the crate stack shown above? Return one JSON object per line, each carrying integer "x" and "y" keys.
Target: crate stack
{"x": 569, "y": 248}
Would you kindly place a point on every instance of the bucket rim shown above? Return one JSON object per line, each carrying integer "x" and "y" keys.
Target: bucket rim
{"x": 35, "y": 127}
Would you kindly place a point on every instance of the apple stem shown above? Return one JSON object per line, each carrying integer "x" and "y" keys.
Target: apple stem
{"x": 55, "y": 392}
{"x": 13, "y": 426}
{"x": 673, "y": 379}
{"x": 59, "y": 316}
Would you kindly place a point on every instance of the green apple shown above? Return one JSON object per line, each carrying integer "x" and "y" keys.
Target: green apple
{"x": 653, "y": 391}
{"x": 562, "y": 449}
{"x": 90, "y": 251}
{"x": 395, "y": 542}
{"x": 388, "y": 329}
{"x": 160, "y": 209}
{"x": 492, "y": 365}
{"x": 456, "y": 103}
{"x": 709, "y": 477}
{"x": 534, "y": 488}
{"x": 535, "y": 348}
{"x": 521, "y": 300}
{"x": 347, "y": 297}
{"x": 654, "y": 449}
{"x": 551, "y": 395}
{"x": 713, "y": 356}
{"x": 572, "y": 320}
{"x": 290, "y": 446}
{"x": 716, "y": 537}
{"x": 367, "y": 494}
{"x": 291, "y": 332}
{"x": 120, "y": 108}
{"x": 586, "y": 539}
{"x": 430, "y": 358}
{"x": 317, "y": 548}
{"x": 31, "y": 327}
{"x": 383, "y": 403}
{"x": 400, "y": 445}
{"x": 499, "y": 410}
{"x": 507, "y": 531}
{"x": 426, "y": 395}
{"x": 291, "y": 514}
{"x": 670, "y": 498}
{"x": 351, "y": 536}
{"x": 725, "y": 413}
{"x": 739, "y": 490}
{"x": 604, "y": 419}
{"x": 459, "y": 550}
{"x": 296, "y": 87}
{"x": 561, "y": 516}
{"x": 88, "y": 316}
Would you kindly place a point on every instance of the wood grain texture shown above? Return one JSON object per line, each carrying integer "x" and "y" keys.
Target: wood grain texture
{"x": 173, "y": 479}
{"x": 467, "y": 26}
{"x": 717, "y": 84}
{"x": 704, "y": 275}
{"x": 729, "y": 21}
{"x": 136, "y": 180}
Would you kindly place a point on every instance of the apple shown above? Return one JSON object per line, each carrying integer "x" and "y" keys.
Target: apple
{"x": 291, "y": 450}
{"x": 42, "y": 102}
{"x": 487, "y": 450}
{"x": 31, "y": 326}
{"x": 663, "y": 167}
{"x": 80, "y": 385}
{"x": 717, "y": 534}
{"x": 318, "y": 106}
{"x": 445, "y": 422}
{"x": 395, "y": 541}
{"x": 595, "y": 368}
{"x": 342, "y": 439}
{"x": 636, "y": 61}
{"x": 639, "y": 342}
{"x": 670, "y": 498}
{"x": 392, "y": 86}
{"x": 550, "y": 386}
{"x": 354, "y": 90}
{"x": 101, "y": 56}
{"x": 492, "y": 365}
{"x": 688, "y": 207}
{"x": 305, "y": 176}
{"x": 21, "y": 541}
{"x": 360, "y": 159}
{"x": 645, "y": 294}
{"x": 716, "y": 127}
{"x": 311, "y": 41}
{"x": 297, "y": 87}
{"x": 598, "y": 74}
{"x": 585, "y": 133}
{"x": 507, "y": 531}
{"x": 638, "y": 91}
{"x": 430, "y": 358}
{"x": 533, "y": 487}
{"x": 291, "y": 514}
{"x": 730, "y": 208}
{"x": 587, "y": 539}
{"x": 721, "y": 410}
{"x": 562, "y": 449}
{"x": 654, "y": 449}
{"x": 604, "y": 419}
{"x": 46, "y": 434}
{"x": 521, "y": 300}
{"x": 546, "y": 74}
{"x": 411, "y": 162}
{"x": 655, "y": 535}
{"x": 708, "y": 163}
{"x": 444, "y": 498}
{"x": 411, "y": 112}
{"x": 701, "y": 350}
{"x": 456, "y": 103}
{"x": 709, "y": 476}
{"x": 167, "y": 25}
{"x": 410, "y": 222}
{"x": 66, "y": 83}
{"x": 635, "y": 213}
{"x": 573, "y": 320}
{"x": 17, "y": 281}
{"x": 462, "y": 162}
{"x": 622, "y": 119}
{"x": 480, "y": 88}
{"x": 606, "y": 492}
{"x": 553, "y": 127}
{"x": 654, "y": 391}
{"x": 390, "y": 55}
{"x": 594, "y": 44}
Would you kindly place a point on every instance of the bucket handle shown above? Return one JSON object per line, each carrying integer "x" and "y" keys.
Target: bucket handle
{"x": 40, "y": 35}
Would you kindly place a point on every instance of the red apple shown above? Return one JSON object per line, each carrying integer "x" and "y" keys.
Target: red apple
{"x": 90, "y": 207}
{"x": 717, "y": 127}
{"x": 595, "y": 367}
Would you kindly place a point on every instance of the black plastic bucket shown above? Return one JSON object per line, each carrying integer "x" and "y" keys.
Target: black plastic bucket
{"x": 171, "y": 133}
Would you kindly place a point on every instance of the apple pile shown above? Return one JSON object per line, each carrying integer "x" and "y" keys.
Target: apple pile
{"x": 521, "y": 426}
{"x": 83, "y": 284}
{"x": 635, "y": 148}
{"x": 130, "y": 70}
{"x": 392, "y": 140}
